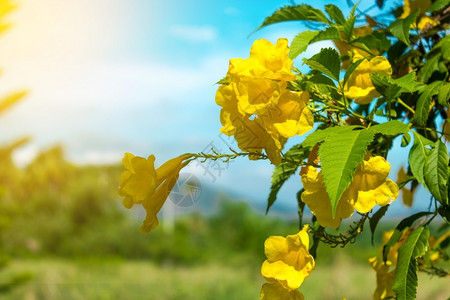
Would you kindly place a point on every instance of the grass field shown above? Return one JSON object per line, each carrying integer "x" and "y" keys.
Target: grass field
{"x": 109, "y": 279}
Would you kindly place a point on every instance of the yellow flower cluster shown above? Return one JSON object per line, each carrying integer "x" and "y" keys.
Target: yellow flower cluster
{"x": 256, "y": 106}
{"x": 288, "y": 264}
{"x": 359, "y": 85}
{"x": 142, "y": 184}
{"x": 370, "y": 186}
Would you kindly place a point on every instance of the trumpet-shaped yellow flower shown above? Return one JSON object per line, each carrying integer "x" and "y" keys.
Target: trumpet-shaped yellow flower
{"x": 275, "y": 291}
{"x": 142, "y": 184}
{"x": 359, "y": 85}
{"x": 266, "y": 61}
{"x": 288, "y": 260}
{"x": 426, "y": 21}
{"x": 370, "y": 186}
{"x": 256, "y": 106}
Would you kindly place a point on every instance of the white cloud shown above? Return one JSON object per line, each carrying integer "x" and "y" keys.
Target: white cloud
{"x": 193, "y": 33}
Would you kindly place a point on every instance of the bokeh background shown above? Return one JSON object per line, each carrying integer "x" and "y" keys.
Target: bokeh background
{"x": 107, "y": 77}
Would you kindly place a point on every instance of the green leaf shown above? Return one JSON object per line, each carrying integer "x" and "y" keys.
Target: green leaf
{"x": 301, "y": 42}
{"x": 407, "y": 82}
{"x": 376, "y": 218}
{"x": 301, "y": 12}
{"x": 417, "y": 156}
{"x": 384, "y": 87}
{"x": 424, "y": 102}
{"x": 429, "y": 67}
{"x": 436, "y": 172}
{"x": 406, "y": 139}
{"x": 405, "y": 223}
{"x": 283, "y": 171}
{"x": 340, "y": 154}
{"x": 330, "y": 33}
{"x": 326, "y": 61}
{"x": 444, "y": 95}
{"x": 321, "y": 135}
{"x": 350, "y": 70}
{"x": 438, "y": 4}
{"x": 405, "y": 281}
{"x": 349, "y": 24}
{"x": 400, "y": 27}
{"x": 393, "y": 88}
{"x": 391, "y": 128}
{"x": 335, "y": 14}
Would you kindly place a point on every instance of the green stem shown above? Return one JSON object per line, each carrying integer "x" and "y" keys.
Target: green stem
{"x": 405, "y": 105}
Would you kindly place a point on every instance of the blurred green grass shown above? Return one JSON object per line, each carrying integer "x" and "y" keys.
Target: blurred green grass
{"x": 113, "y": 279}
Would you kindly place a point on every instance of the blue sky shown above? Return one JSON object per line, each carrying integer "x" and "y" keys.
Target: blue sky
{"x": 113, "y": 76}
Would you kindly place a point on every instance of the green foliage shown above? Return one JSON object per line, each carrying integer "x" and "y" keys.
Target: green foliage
{"x": 403, "y": 225}
{"x": 339, "y": 156}
{"x": 400, "y": 27}
{"x": 417, "y": 156}
{"x": 327, "y": 62}
{"x": 301, "y": 12}
{"x": 405, "y": 281}
{"x": 285, "y": 170}
{"x": 436, "y": 172}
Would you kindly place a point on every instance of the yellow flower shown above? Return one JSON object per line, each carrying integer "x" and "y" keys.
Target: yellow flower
{"x": 256, "y": 106}
{"x": 266, "y": 61}
{"x": 385, "y": 278}
{"x": 370, "y": 186}
{"x": 359, "y": 85}
{"x": 424, "y": 22}
{"x": 275, "y": 291}
{"x": 142, "y": 184}
{"x": 288, "y": 259}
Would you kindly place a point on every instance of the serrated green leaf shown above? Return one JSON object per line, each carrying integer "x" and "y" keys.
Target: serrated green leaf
{"x": 384, "y": 87}
{"x": 284, "y": 171}
{"x": 301, "y": 42}
{"x": 326, "y": 61}
{"x": 373, "y": 221}
{"x": 444, "y": 95}
{"x": 301, "y": 12}
{"x": 348, "y": 26}
{"x": 400, "y": 27}
{"x": 321, "y": 135}
{"x": 407, "y": 82}
{"x": 340, "y": 154}
{"x": 391, "y": 128}
{"x": 330, "y": 33}
{"x": 405, "y": 223}
{"x": 429, "y": 67}
{"x": 350, "y": 70}
{"x": 405, "y": 280}
{"x": 424, "y": 102}
{"x": 335, "y": 14}
{"x": 438, "y": 4}
{"x": 417, "y": 156}
{"x": 436, "y": 172}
